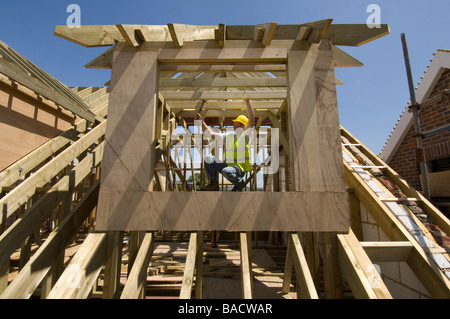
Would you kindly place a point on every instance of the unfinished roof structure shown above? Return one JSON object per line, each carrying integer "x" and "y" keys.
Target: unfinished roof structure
{"x": 333, "y": 221}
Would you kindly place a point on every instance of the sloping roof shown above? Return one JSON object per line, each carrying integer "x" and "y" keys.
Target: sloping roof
{"x": 439, "y": 63}
{"x": 17, "y": 67}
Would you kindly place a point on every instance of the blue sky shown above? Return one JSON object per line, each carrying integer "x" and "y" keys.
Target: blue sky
{"x": 370, "y": 101}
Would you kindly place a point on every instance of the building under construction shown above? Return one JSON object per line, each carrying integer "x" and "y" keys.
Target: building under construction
{"x": 98, "y": 201}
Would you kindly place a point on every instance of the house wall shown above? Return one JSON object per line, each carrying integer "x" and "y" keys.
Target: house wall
{"x": 432, "y": 116}
{"x": 26, "y": 123}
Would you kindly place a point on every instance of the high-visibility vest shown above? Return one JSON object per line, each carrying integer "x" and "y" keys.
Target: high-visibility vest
{"x": 237, "y": 152}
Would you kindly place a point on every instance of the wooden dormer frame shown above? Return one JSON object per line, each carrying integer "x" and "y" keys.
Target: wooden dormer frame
{"x": 318, "y": 198}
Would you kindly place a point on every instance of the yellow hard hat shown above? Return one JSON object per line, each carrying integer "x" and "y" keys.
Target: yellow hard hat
{"x": 241, "y": 119}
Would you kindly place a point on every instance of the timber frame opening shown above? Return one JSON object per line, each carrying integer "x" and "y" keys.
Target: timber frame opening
{"x": 287, "y": 72}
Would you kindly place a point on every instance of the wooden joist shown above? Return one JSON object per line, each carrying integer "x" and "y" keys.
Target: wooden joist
{"x": 32, "y": 217}
{"x": 138, "y": 275}
{"x": 79, "y": 276}
{"x": 11, "y": 201}
{"x": 223, "y": 95}
{"x": 223, "y": 82}
{"x": 193, "y": 267}
{"x": 191, "y": 105}
{"x": 29, "y": 277}
{"x": 354, "y": 34}
{"x": 438, "y": 218}
{"x": 37, "y": 80}
{"x": 339, "y": 34}
{"x": 246, "y": 265}
{"x": 295, "y": 259}
{"x": 358, "y": 269}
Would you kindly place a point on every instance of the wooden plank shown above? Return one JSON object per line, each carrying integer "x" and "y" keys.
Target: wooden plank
{"x": 439, "y": 183}
{"x": 178, "y": 33}
{"x": 367, "y": 267}
{"x": 189, "y": 270}
{"x": 288, "y": 267}
{"x": 224, "y": 113}
{"x": 221, "y": 34}
{"x": 221, "y": 82}
{"x": 340, "y": 34}
{"x": 385, "y": 251}
{"x": 438, "y": 218}
{"x": 353, "y": 272}
{"x": 354, "y": 34}
{"x": 78, "y": 278}
{"x": 103, "y": 61}
{"x": 222, "y": 95}
{"x": 343, "y": 59}
{"x": 313, "y": 129}
{"x": 90, "y": 35}
{"x": 246, "y": 265}
{"x": 220, "y": 105}
{"x": 222, "y": 68}
{"x": 319, "y": 29}
{"x": 331, "y": 270}
{"x": 113, "y": 265}
{"x": 138, "y": 276}
{"x": 269, "y": 31}
{"x": 46, "y": 86}
{"x": 129, "y": 35}
{"x": 195, "y": 211}
{"x": 31, "y": 219}
{"x": 244, "y": 52}
{"x": 302, "y": 272}
{"x": 29, "y": 277}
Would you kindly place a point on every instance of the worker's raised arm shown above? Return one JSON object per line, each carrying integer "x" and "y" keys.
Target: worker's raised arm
{"x": 251, "y": 114}
{"x": 206, "y": 128}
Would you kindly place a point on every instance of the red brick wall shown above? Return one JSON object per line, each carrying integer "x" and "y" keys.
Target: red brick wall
{"x": 432, "y": 116}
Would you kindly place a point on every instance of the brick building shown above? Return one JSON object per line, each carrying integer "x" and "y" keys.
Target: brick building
{"x": 433, "y": 94}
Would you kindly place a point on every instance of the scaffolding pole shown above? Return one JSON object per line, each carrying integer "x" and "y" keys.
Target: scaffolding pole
{"x": 414, "y": 107}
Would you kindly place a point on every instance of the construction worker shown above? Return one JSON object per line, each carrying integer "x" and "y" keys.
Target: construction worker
{"x": 236, "y": 151}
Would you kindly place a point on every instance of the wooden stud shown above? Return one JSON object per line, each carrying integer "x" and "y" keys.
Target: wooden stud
{"x": 353, "y": 272}
{"x": 331, "y": 269}
{"x": 76, "y": 282}
{"x": 138, "y": 275}
{"x": 113, "y": 265}
{"x": 42, "y": 261}
{"x": 189, "y": 270}
{"x": 305, "y": 282}
{"x": 246, "y": 265}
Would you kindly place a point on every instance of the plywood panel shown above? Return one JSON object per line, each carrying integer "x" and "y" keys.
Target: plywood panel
{"x": 130, "y": 129}
{"x": 234, "y": 211}
{"x": 129, "y": 135}
{"x": 313, "y": 120}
